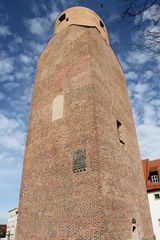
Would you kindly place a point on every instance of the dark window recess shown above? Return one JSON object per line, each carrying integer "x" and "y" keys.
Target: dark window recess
{"x": 134, "y": 220}
{"x": 153, "y": 177}
{"x": 2, "y": 231}
{"x": 157, "y": 196}
{"x": 79, "y": 163}
{"x": 133, "y": 228}
{"x": 62, "y": 17}
{"x": 119, "y": 125}
{"x": 101, "y": 24}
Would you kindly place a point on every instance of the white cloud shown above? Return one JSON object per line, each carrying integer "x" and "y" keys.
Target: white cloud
{"x": 67, "y": 3}
{"x": 125, "y": 65}
{"x": 155, "y": 102}
{"x": 149, "y": 141}
{"x": 36, "y": 48}
{"x": 138, "y": 92}
{"x": 25, "y": 59}
{"x": 149, "y": 14}
{"x": 6, "y": 77}
{"x": 136, "y": 57}
{"x": 53, "y": 15}
{"x": 141, "y": 88}
{"x": 11, "y": 85}
{"x": 7, "y": 158}
{"x": 12, "y": 141}
{"x": 4, "y": 30}
{"x": 38, "y": 26}
{"x": 7, "y": 124}
{"x": 16, "y": 44}
{"x": 36, "y": 8}
{"x": 113, "y": 17}
{"x": 24, "y": 73}
{"x": 148, "y": 74}
{"x": 131, "y": 75}
{"x": 114, "y": 38}
{"x": 6, "y": 65}
{"x": 18, "y": 40}
{"x": 149, "y": 115}
{"x": 11, "y": 134}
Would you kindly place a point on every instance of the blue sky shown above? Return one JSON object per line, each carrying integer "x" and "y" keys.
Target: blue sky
{"x": 25, "y": 26}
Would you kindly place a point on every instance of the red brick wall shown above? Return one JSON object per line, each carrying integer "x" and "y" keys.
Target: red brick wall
{"x": 99, "y": 203}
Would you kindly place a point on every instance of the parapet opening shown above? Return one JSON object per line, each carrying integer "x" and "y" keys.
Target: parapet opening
{"x": 101, "y": 23}
{"x": 62, "y": 17}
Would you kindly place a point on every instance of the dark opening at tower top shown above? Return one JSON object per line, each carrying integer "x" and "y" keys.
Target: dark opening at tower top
{"x": 80, "y": 16}
{"x": 101, "y": 24}
{"x": 62, "y": 17}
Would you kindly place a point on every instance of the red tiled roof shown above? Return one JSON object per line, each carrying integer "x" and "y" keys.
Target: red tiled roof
{"x": 4, "y": 227}
{"x": 149, "y": 166}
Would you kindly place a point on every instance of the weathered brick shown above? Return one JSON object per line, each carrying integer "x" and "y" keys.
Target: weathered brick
{"x": 99, "y": 203}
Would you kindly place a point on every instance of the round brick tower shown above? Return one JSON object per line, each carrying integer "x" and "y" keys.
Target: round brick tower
{"x": 82, "y": 176}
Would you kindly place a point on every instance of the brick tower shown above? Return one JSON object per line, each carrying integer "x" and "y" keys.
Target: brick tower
{"x": 82, "y": 175}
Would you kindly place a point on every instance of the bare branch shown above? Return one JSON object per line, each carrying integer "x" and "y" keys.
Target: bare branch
{"x": 146, "y": 15}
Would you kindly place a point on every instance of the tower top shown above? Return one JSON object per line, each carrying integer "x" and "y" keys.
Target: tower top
{"x": 81, "y": 16}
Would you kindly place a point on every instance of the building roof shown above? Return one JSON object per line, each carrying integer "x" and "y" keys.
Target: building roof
{"x": 14, "y": 209}
{"x": 148, "y": 168}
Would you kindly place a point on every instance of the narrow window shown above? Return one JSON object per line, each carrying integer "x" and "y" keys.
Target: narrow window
{"x": 157, "y": 196}
{"x": 134, "y": 228}
{"x": 57, "y": 109}
{"x": 101, "y": 24}
{"x": 119, "y": 129}
{"x": 62, "y": 17}
{"x": 134, "y": 232}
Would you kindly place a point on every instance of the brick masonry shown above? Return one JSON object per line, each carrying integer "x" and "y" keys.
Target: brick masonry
{"x": 100, "y": 202}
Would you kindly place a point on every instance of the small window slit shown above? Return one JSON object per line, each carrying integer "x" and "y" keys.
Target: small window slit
{"x": 119, "y": 129}
{"x": 101, "y": 23}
